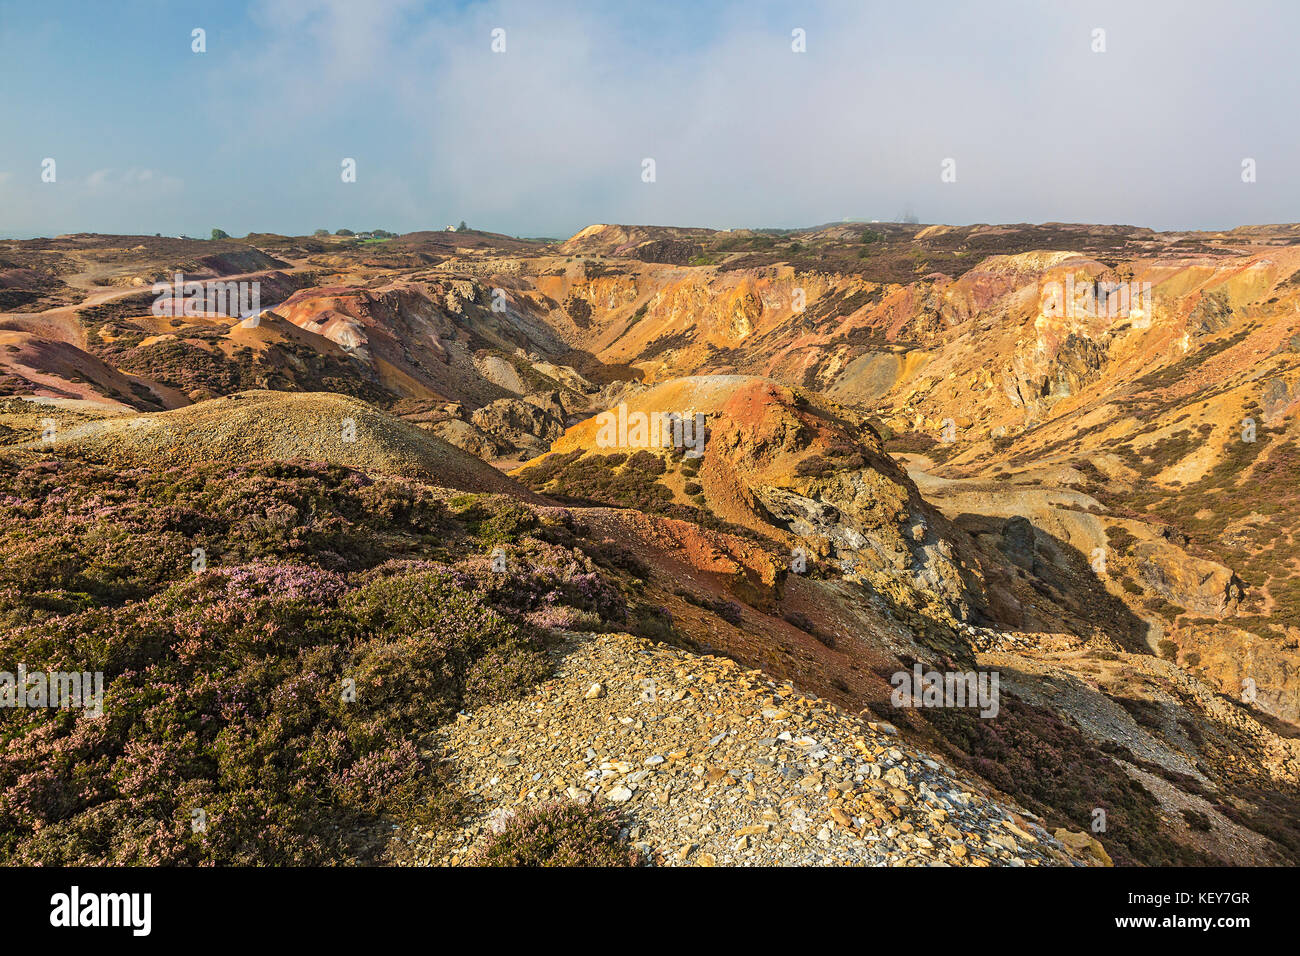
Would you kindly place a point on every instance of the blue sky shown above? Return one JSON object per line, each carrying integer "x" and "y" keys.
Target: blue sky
{"x": 550, "y": 135}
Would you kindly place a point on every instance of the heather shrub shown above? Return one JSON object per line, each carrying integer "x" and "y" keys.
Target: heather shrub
{"x": 279, "y": 641}
{"x": 75, "y": 535}
{"x": 1051, "y": 768}
{"x": 727, "y": 609}
{"x": 647, "y": 462}
{"x": 559, "y": 834}
{"x": 287, "y": 691}
{"x": 543, "y": 575}
{"x": 563, "y": 618}
{"x": 506, "y": 524}
{"x": 654, "y": 623}
{"x": 494, "y": 522}
{"x": 226, "y": 693}
{"x": 432, "y": 633}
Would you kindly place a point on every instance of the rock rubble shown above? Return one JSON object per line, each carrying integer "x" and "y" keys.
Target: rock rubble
{"x": 714, "y": 765}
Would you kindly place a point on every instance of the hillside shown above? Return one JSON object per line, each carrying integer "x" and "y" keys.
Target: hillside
{"x": 274, "y": 426}
{"x": 909, "y": 446}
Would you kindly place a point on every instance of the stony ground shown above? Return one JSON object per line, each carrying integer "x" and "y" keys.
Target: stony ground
{"x": 716, "y": 765}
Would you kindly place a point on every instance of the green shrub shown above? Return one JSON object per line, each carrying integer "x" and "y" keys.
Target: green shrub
{"x": 559, "y": 834}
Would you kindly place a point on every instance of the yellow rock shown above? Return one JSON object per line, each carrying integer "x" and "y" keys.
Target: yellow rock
{"x": 1083, "y": 846}
{"x": 1016, "y": 831}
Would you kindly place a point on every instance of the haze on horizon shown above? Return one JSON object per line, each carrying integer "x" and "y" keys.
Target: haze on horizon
{"x": 551, "y": 134}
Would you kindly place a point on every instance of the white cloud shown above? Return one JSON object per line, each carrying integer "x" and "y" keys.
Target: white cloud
{"x": 551, "y": 134}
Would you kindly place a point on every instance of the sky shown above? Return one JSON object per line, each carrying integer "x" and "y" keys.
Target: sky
{"x": 1012, "y": 99}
